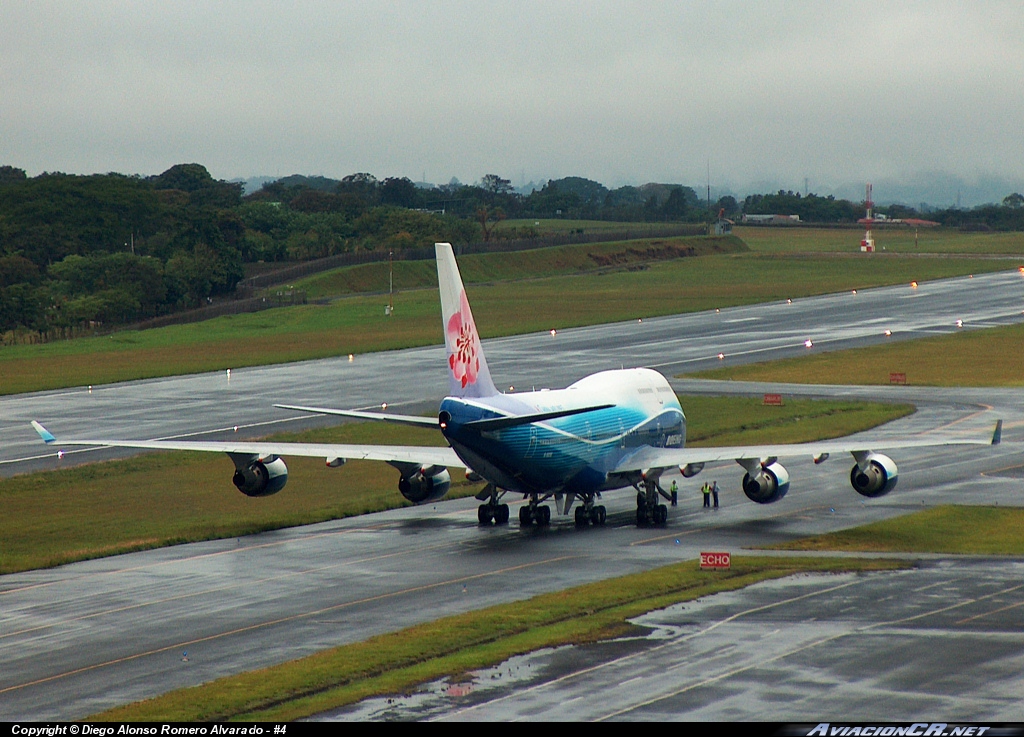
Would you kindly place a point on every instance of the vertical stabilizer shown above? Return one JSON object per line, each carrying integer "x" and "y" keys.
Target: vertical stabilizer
{"x": 467, "y": 368}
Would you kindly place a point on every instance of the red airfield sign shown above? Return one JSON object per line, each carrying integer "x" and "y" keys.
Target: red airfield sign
{"x": 715, "y": 561}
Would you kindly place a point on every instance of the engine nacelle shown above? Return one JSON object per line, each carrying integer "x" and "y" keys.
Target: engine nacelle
{"x": 768, "y": 485}
{"x": 261, "y": 477}
{"x": 428, "y": 484}
{"x": 874, "y": 475}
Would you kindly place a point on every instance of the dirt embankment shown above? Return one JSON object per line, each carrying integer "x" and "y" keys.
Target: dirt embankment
{"x": 667, "y": 249}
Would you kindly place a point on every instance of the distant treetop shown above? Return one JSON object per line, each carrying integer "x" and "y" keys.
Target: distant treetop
{"x": 186, "y": 177}
{"x": 11, "y": 175}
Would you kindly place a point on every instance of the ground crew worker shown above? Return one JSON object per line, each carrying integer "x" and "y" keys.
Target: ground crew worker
{"x": 674, "y": 490}
{"x": 706, "y": 491}
{"x": 714, "y": 492}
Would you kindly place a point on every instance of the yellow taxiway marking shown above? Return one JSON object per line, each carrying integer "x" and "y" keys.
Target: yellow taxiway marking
{"x": 200, "y": 556}
{"x": 694, "y": 530}
{"x": 216, "y": 589}
{"x": 282, "y": 620}
{"x": 994, "y": 611}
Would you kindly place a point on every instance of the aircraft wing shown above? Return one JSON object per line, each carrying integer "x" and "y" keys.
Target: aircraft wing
{"x": 426, "y": 455}
{"x": 647, "y": 457}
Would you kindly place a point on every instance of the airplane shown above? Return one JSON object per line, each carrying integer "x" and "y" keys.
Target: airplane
{"x": 610, "y": 430}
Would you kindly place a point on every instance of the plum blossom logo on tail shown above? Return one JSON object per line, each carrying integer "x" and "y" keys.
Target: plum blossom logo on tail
{"x": 464, "y": 360}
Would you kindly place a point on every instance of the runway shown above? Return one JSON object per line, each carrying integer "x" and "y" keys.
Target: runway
{"x": 212, "y": 405}
{"x": 84, "y": 637}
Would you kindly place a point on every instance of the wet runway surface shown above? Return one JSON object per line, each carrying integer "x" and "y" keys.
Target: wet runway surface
{"x": 940, "y": 641}
{"x": 84, "y": 637}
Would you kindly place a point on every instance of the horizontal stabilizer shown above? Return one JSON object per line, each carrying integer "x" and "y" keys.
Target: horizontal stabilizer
{"x": 497, "y": 423}
{"x": 45, "y": 434}
{"x": 415, "y": 420}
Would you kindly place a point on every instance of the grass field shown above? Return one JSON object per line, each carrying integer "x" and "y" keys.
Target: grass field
{"x": 558, "y": 226}
{"x": 395, "y": 663}
{"x": 991, "y": 357}
{"x": 154, "y": 500}
{"x": 960, "y": 530}
{"x": 888, "y": 240}
{"x": 500, "y": 267}
{"x": 358, "y": 324}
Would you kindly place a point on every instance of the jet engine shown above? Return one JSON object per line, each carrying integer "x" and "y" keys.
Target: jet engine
{"x": 260, "y": 476}
{"x": 425, "y": 484}
{"x": 874, "y": 475}
{"x": 766, "y": 484}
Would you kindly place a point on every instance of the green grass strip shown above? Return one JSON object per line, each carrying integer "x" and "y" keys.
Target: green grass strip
{"x": 489, "y": 268}
{"x": 888, "y": 241}
{"x": 397, "y": 662}
{"x": 987, "y": 357}
{"x": 961, "y": 530}
{"x": 716, "y": 421}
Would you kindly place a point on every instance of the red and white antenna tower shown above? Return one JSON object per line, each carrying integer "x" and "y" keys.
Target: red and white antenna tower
{"x": 868, "y": 244}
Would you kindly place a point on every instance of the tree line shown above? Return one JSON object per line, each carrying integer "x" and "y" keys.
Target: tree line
{"x": 113, "y": 249}
{"x": 109, "y": 249}
{"x": 812, "y": 208}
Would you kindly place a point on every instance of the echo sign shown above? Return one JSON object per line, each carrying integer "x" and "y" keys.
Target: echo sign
{"x": 715, "y": 560}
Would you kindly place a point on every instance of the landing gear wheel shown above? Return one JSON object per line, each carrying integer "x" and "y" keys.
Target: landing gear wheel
{"x": 542, "y": 515}
{"x": 581, "y": 517}
{"x": 641, "y": 516}
{"x": 598, "y": 514}
{"x": 525, "y": 516}
{"x": 501, "y": 514}
{"x": 484, "y": 514}
{"x": 660, "y": 514}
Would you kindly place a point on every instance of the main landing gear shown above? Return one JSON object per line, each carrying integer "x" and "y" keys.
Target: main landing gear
{"x": 491, "y": 510}
{"x": 587, "y": 511}
{"x": 497, "y": 512}
{"x": 649, "y": 511}
{"x": 534, "y": 513}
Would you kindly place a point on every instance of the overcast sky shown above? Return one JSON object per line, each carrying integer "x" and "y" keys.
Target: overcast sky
{"x": 620, "y": 92}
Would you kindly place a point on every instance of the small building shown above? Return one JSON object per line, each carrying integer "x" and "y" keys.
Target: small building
{"x": 771, "y": 219}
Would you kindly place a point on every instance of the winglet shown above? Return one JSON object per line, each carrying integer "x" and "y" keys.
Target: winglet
{"x": 997, "y": 436}
{"x": 45, "y": 434}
